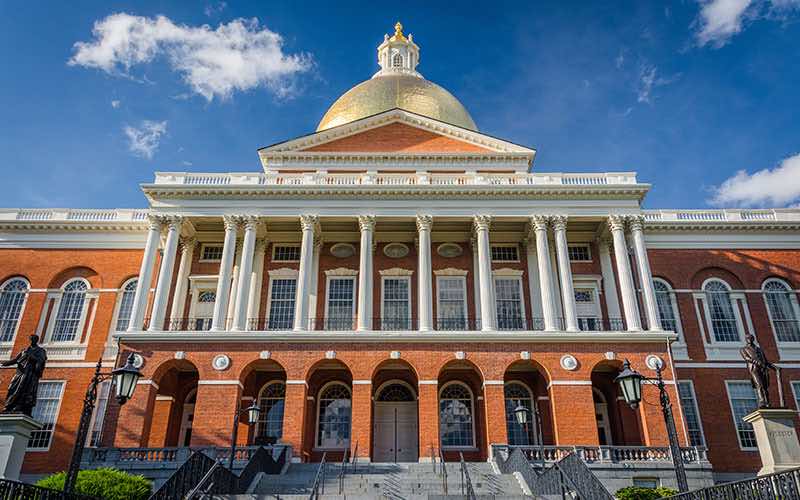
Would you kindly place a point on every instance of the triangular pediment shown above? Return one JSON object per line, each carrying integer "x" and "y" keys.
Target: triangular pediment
{"x": 397, "y": 131}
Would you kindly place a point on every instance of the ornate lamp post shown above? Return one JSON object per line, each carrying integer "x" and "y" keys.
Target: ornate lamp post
{"x": 630, "y": 383}
{"x": 522, "y": 414}
{"x": 124, "y": 379}
{"x": 253, "y": 412}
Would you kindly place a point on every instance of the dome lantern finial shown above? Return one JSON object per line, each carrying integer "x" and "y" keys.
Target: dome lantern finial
{"x": 398, "y": 54}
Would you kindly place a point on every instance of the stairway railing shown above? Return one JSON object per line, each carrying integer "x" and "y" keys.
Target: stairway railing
{"x": 343, "y": 469}
{"x": 467, "y": 491}
{"x": 778, "y": 486}
{"x": 443, "y": 470}
{"x": 218, "y": 479}
{"x": 319, "y": 480}
{"x": 10, "y": 489}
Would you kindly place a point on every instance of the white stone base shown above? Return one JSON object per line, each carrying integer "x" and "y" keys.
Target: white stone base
{"x": 776, "y": 438}
{"x": 15, "y": 430}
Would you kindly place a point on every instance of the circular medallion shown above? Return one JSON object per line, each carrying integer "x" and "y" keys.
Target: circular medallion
{"x": 138, "y": 360}
{"x": 343, "y": 250}
{"x": 221, "y": 362}
{"x": 652, "y": 361}
{"x": 449, "y": 250}
{"x": 395, "y": 250}
{"x": 569, "y": 362}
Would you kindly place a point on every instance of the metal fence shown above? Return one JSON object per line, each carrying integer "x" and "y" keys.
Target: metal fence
{"x": 779, "y": 486}
{"x": 15, "y": 490}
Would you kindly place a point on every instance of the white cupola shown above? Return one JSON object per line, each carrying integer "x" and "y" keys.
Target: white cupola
{"x": 398, "y": 54}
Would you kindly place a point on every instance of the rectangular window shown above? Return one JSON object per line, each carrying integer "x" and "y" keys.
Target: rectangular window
{"x": 743, "y": 401}
{"x": 690, "y": 413}
{"x": 286, "y": 253}
{"x": 211, "y": 253}
{"x": 796, "y": 391}
{"x": 508, "y": 300}
{"x": 451, "y": 304}
{"x": 505, "y": 253}
{"x": 281, "y": 304}
{"x": 579, "y": 253}
{"x": 396, "y": 304}
{"x": 48, "y": 400}
{"x": 341, "y": 303}
{"x": 99, "y": 415}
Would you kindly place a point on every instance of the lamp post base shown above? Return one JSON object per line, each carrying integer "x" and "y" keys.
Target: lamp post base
{"x": 776, "y": 438}
{"x": 15, "y": 430}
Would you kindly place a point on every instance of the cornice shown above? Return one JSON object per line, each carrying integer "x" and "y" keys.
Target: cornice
{"x": 750, "y": 226}
{"x": 50, "y": 226}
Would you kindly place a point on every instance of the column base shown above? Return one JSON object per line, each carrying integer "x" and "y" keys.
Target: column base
{"x": 776, "y": 438}
{"x": 15, "y": 430}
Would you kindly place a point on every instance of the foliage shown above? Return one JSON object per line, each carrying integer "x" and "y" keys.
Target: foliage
{"x": 640, "y": 493}
{"x": 106, "y": 483}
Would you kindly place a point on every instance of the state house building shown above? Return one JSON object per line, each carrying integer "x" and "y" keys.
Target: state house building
{"x": 399, "y": 281}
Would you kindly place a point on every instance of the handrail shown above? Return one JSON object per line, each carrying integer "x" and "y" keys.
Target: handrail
{"x": 443, "y": 469}
{"x": 320, "y": 475}
{"x": 16, "y": 489}
{"x": 570, "y": 474}
{"x": 354, "y": 459}
{"x": 342, "y": 469}
{"x": 783, "y": 485}
{"x": 466, "y": 481}
{"x": 199, "y": 486}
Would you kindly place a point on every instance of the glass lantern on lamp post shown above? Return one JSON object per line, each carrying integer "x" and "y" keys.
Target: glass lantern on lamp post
{"x": 523, "y": 414}
{"x": 630, "y": 383}
{"x": 253, "y": 411}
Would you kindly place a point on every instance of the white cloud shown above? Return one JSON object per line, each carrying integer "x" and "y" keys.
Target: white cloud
{"x": 777, "y": 186}
{"x": 620, "y": 60}
{"x": 236, "y": 56}
{"x": 143, "y": 140}
{"x": 649, "y": 80}
{"x": 213, "y": 9}
{"x": 115, "y": 103}
{"x": 720, "y": 20}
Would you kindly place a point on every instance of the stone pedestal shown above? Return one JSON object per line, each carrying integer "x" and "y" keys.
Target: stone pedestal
{"x": 15, "y": 430}
{"x": 776, "y": 438}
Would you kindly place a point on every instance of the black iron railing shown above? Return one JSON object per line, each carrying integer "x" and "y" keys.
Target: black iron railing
{"x": 13, "y": 490}
{"x": 467, "y": 491}
{"x": 185, "y": 478}
{"x": 218, "y": 479}
{"x": 778, "y": 486}
{"x": 319, "y": 480}
{"x": 343, "y": 469}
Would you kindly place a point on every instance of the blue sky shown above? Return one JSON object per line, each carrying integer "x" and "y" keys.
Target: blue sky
{"x": 699, "y": 97}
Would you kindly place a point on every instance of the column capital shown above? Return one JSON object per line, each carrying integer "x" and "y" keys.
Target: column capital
{"x": 540, "y": 222}
{"x": 173, "y": 222}
{"x": 250, "y": 222}
{"x": 636, "y": 222}
{"x": 188, "y": 243}
{"x": 559, "y": 222}
{"x": 261, "y": 244}
{"x": 606, "y": 242}
{"x": 155, "y": 222}
{"x": 424, "y": 222}
{"x": 231, "y": 222}
{"x": 366, "y": 223}
{"x": 616, "y": 222}
{"x": 309, "y": 222}
{"x": 482, "y": 222}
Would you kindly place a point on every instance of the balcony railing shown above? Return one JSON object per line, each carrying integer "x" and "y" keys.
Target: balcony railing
{"x": 73, "y": 215}
{"x": 607, "y": 454}
{"x": 725, "y": 215}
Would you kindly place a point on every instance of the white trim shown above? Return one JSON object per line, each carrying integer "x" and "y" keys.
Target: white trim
{"x": 428, "y": 382}
{"x": 55, "y": 420}
{"x": 463, "y": 280}
{"x": 147, "y": 381}
{"x": 710, "y": 365}
{"x": 394, "y": 381}
{"x": 696, "y": 405}
{"x": 395, "y": 271}
{"x": 472, "y": 415}
{"x": 283, "y": 245}
{"x": 450, "y": 271}
{"x": 115, "y": 316}
{"x": 362, "y": 382}
{"x": 296, "y": 382}
{"x": 733, "y": 414}
{"x": 721, "y": 350}
{"x": 280, "y": 275}
{"x": 679, "y": 348}
{"x": 338, "y": 275}
{"x": 161, "y": 397}
{"x": 321, "y": 390}
{"x": 493, "y": 382}
{"x": 220, "y": 382}
{"x": 21, "y": 314}
{"x": 520, "y": 286}
{"x": 78, "y": 341}
{"x": 283, "y": 272}
{"x": 383, "y": 301}
{"x": 795, "y": 385}
{"x": 506, "y": 272}
{"x": 786, "y": 350}
{"x": 341, "y": 272}
{"x": 569, "y": 382}
{"x": 586, "y": 245}
{"x": 203, "y": 250}
{"x": 503, "y": 245}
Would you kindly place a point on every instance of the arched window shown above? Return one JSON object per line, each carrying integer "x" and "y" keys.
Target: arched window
{"x": 456, "y": 417}
{"x": 720, "y": 309}
{"x": 270, "y": 419}
{"x": 667, "y": 308}
{"x": 333, "y": 416}
{"x": 397, "y": 61}
{"x": 12, "y": 298}
{"x": 126, "y": 305}
{"x": 396, "y": 393}
{"x": 783, "y": 310}
{"x": 517, "y": 395}
{"x": 70, "y": 311}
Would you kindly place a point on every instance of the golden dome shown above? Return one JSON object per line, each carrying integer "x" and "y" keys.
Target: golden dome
{"x": 397, "y": 90}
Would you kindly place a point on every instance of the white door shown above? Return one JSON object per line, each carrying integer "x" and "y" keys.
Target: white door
{"x": 587, "y": 309}
{"x": 395, "y": 432}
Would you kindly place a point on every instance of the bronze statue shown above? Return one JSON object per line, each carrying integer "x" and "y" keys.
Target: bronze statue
{"x": 758, "y": 366}
{"x": 21, "y": 396}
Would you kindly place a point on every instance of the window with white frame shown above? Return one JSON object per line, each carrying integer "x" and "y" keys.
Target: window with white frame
{"x": 211, "y": 252}
{"x": 70, "y": 312}
{"x": 451, "y": 302}
{"x": 505, "y": 253}
{"x": 281, "y": 303}
{"x": 333, "y": 416}
{"x": 508, "y": 301}
{"x": 517, "y": 395}
{"x": 48, "y": 400}
{"x": 587, "y": 309}
{"x": 667, "y": 306}
{"x": 270, "y": 420}
{"x": 783, "y": 310}
{"x": 579, "y": 253}
{"x": 396, "y": 304}
{"x": 456, "y": 417}
{"x": 204, "y": 309}
{"x": 12, "y": 299}
{"x": 691, "y": 414}
{"x": 285, "y": 253}
{"x": 743, "y": 400}
{"x": 722, "y": 318}
{"x": 796, "y": 391}
{"x": 98, "y": 417}
{"x": 126, "y": 305}
{"x": 341, "y": 303}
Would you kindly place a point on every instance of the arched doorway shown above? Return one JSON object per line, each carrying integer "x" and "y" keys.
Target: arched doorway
{"x": 617, "y": 423}
{"x": 187, "y": 417}
{"x": 330, "y": 403}
{"x": 173, "y": 409}
{"x": 395, "y": 432}
{"x": 263, "y": 382}
{"x": 525, "y": 384}
{"x": 462, "y": 427}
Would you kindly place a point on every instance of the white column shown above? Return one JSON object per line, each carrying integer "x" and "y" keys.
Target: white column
{"x": 533, "y": 278}
{"x": 609, "y": 282}
{"x": 539, "y": 223}
{"x": 181, "y": 283}
{"x": 488, "y": 311}
{"x": 234, "y": 297}
{"x": 165, "y": 274}
{"x": 425, "y": 285}
{"x": 314, "y": 288}
{"x": 476, "y": 293}
{"x": 645, "y": 276}
{"x": 256, "y": 282}
{"x": 367, "y": 225}
{"x": 565, "y": 273}
{"x": 308, "y": 224}
{"x": 225, "y": 268}
{"x": 617, "y": 225}
{"x": 145, "y": 274}
{"x": 245, "y": 274}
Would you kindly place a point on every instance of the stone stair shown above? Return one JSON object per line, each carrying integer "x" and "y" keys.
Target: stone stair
{"x": 386, "y": 482}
